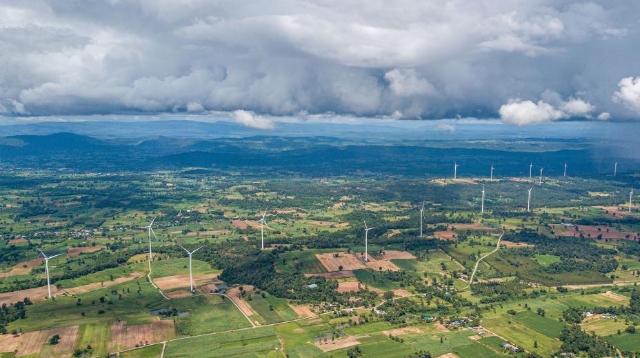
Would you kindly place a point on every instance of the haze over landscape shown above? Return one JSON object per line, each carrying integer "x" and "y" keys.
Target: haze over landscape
{"x": 296, "y": 179}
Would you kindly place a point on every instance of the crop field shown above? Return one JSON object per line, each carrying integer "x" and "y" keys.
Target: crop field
{"x": 208, "y": 314}
{"x": 103, "y": 298}
{"x": 256, "y": 342}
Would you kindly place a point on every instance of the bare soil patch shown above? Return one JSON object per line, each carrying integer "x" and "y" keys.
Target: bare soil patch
{"x": 402, "y": 293}
{"x": 126, "y": 337}
{"x": 475, "y": 337}
{"x": 321, "y": 223}
{"x": 68, "y": 338}
{"x": 234, "y": 294}
{"x": 347, "y": 261}
{"x": 616, "y": 211}
{"x": 75, "y": 251}
{"x": 178, "y": 294}
{"x": 614, "y": 296}
{"x": 348, "y": 286}
{"x": 32, "y": 342}
{"x": 400, "y": 331}
{"x": 446, "y": 235}
{"x": 302, "y": 310}
{"x": 394, "y": 254}
{"x": 561, "y": 230}
{"x": 606, "y": 232}
{"x": 381, "y": 265}
{"x": 18, "y": 241}
{"x": 9, "y": 342}
{"x": 440, "y": 327}
{"x": 35, "y": 294}
{"x": 238, "y": 224}
{"x": 449, "y": 355}
{"x": 338, "y": 344}
{"x": 514, "y": 244}
{"x": 182, "y": 281}
{"x": 332, "y": 275}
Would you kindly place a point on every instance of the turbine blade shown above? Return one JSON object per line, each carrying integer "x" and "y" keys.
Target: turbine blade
{"x": 154, "y": 233}
{"x": 184, "y": 248}
{"x": 192, "y": 252}
{"x": 154, "y": 219}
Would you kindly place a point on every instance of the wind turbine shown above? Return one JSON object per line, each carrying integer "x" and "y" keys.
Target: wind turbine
{"x": 615, "y": 169}
{"x": 455, "y": 170}
{"x": 150, "y": 229}
{"x": 46, "y": 268}
{"x": 541, "y": 169}
{"x": 565, "y": 169}
{"x": 530, "y": 168}
{"x": 492, "y": 168}
{"x": 262, "y": 222}
{"x": 366, "y": 241}
{"x": 190, "y": 253}
{"x": 630, "y": 197}
{"x": 529, "y": 201}
{"x": 482, "y": 207}
{"x": 421, "y": 215}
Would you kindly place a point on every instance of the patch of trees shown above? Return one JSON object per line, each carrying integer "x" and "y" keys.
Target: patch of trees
{"x": 576, "y": 341}
{"x": 13, "y": 312}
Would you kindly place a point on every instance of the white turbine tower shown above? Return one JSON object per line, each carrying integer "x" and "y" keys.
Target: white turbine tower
{"x": 455, "y": 170}
{"x": 565, "y": 169}
{"x": 630, "y": 198}
{"x": 150, "y": 230}
{"x": 529, "y": 201}
{"x": 46, "y": 268}
{"x": 615, "y": 168}
{"x": 190, "y": 253}
{"x": 492, "y": 168}
{"x": 541, "y": 169}
{"x": 530, "y": 168}
{"x": 482, "y": 207}
{"x": 366, "y": 241}
{"x": 421, "y": 215}
{"x": 262, "y": 222}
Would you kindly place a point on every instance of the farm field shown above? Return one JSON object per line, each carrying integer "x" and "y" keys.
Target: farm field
{"x": 309, "y": 292}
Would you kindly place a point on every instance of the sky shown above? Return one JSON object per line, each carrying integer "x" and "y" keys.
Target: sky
{"x": 521, "y": 62}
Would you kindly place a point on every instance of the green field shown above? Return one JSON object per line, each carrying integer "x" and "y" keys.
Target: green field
{"x": 625, "y": 341}
{"x": 208, "y": 314}
{"x": 305, "y": 260}
{"x": 153, "y": 351}
{"x": 97, "y": 335}
{"x": 546, "y": 260}
{"x": 258, "y": 342}
{"x": 180, "y": 266}
{"x": 271, "y": 309}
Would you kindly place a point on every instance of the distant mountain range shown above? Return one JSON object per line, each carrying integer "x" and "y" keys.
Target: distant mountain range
{"x": 305, "y": 156}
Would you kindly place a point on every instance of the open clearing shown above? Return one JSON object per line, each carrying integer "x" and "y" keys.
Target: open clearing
{"x": 394, "y": 254}
{"x": 615, "y": 211}
{"x": 182, "y": 281}
{"x": 606, "y": 232}
{"x": 238, "y": 224}
{"x": 178, "y": 294}
{"x": 615, "y": 296}
{"x": 348, "y": 262}
{"x": 234, "y": 294}
{"x": 75, "y": 251}
{"x": 32, "y": 342}
{"x": 514, "y": 244}
{"x": 381, "y": 265}
{"x": 126, "y": 337}
{"x": 402, "y": 293}
{"x": 400, "y": 331}
{"x": 40, "y": 293}
{"x": 470, "y": 227}
{"x": 348, "y": 286}
{"x": 446, "y": 235}
{"x": 338, "y": 344}
{"x": 302, "y": 310}
{"x": 22, "y": 268}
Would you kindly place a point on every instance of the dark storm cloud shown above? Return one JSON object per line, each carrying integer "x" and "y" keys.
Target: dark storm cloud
{"x": 524, "y": 61}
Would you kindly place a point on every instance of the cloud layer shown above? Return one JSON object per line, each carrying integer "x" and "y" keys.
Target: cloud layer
{"x": 425, "y": 59}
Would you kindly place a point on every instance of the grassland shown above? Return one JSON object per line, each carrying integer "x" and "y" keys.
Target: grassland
{"x": 206, "y": 314}
{"x": 258, "y": 342}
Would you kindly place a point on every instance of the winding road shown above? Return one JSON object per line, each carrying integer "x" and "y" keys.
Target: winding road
{"x": 475, "y": 268}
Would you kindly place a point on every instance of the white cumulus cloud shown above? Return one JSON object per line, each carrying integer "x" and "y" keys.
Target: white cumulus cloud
{"x": 604, "y": 116}
{"x": 250, "y": 119}
{"x": 520, "y": 113}
{"x": 629, "y": 93}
